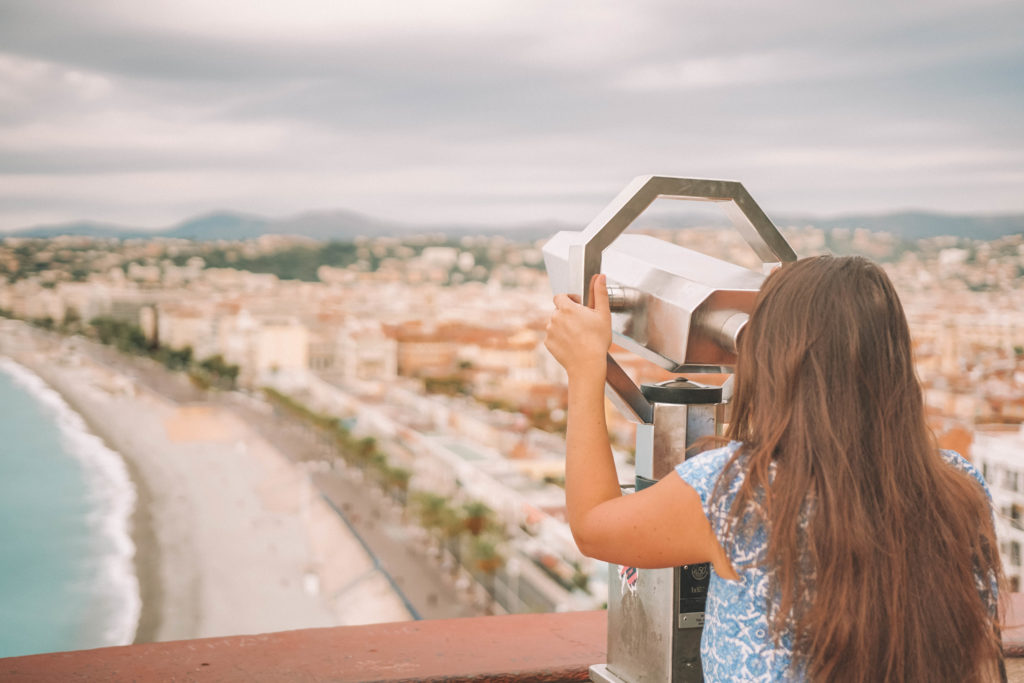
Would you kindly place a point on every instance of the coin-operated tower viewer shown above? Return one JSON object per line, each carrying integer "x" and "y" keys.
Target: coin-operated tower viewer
{"x": 684, "y": 311}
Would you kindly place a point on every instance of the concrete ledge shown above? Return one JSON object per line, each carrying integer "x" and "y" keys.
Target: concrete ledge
{"x": 522, "y": 647}
{"x": 534, "y": 647}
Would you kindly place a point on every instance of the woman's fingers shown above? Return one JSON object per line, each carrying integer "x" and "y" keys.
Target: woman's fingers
{"x": 599, "y": 294}
{"x": 565, "y": 301}
{"x": 578, "y": 336}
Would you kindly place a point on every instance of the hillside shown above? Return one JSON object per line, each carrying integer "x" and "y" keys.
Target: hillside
{"x": 344, "y": 225}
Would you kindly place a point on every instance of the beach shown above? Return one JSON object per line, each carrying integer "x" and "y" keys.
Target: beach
{"x": 230, "y": 535}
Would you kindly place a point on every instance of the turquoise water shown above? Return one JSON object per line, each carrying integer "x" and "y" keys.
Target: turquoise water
{"x": 67, "y": 580}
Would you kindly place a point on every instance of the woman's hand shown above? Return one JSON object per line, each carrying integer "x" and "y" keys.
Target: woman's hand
{"x": 578, "y": 337}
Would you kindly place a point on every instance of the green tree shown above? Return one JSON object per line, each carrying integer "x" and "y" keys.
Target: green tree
{"x": 430, "y": 508}
{"x": 449, "y": 385}
{"x": 365, "y": 448}
{"x": 486, "y": 556}
{"x": 72, "y": 320}
{"x": 580, "y": 579}
{"x": 120, "y": 334}
{"x": 397, "y": 481}
{"x": 219, "y": 373}
{"x": 477, "y": 517}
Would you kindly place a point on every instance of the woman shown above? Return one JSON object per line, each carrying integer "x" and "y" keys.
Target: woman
{"x": 845, "y": 545}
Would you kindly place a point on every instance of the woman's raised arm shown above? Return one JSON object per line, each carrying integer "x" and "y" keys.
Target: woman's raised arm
{"x": 661, "y": 526}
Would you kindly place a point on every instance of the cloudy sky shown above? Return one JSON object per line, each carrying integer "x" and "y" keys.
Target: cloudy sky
{"x": 146, "y": 113}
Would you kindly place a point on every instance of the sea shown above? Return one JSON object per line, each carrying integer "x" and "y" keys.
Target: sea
{"x": 67, "y": 575}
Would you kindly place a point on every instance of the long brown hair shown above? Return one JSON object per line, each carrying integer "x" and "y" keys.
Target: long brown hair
{"x": 882, "y": 582}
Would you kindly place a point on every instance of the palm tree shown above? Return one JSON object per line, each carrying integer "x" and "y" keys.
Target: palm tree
{"x": 397, "y": 480}
{"x": 430, "y": 507}
{"x": 478, "y": 516}
{"x": 486, "y": 554}
{"x": 444, "y": 522}
{"x": 365, "y": 447}
{"x": 377, "y": 466}
{"x": 487, "y": 560}
{"x": 580, "y": 579}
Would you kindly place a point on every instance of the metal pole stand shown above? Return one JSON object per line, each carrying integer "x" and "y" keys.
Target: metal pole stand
{"x": 655, "y": 623}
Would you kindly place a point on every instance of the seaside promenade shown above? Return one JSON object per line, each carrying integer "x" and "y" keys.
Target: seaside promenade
{"x": 240, "y": 527}
{"x": 396, "y": 546}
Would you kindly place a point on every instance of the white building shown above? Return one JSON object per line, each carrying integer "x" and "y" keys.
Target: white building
{"x": 1000, "y": 457}
{"x": 364, "y": 352}
{"x": 191, "y": 324}
{"x": 282, "y": 351}
{"x": 270, "y": 350}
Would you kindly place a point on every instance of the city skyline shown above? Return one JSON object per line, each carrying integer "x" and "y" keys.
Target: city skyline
{"x": 400, "y": 394}
{"x": 502, "y": 113}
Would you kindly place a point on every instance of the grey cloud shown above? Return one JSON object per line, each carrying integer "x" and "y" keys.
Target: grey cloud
{"x": 102, "y": 161}
{"x": 441, "y": 100}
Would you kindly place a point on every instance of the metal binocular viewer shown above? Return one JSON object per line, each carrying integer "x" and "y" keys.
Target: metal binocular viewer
{"x": 684, "y": 311}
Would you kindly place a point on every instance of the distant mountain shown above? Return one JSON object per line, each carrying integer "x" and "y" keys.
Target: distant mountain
{"x": 219, "y": 225}
{"x": 336, "y": 225}
{"x": 322, "y": 225}
{"x": 83, "y": 228}
{"x": 346, "y": 225}
{"x": 230, "y": 225}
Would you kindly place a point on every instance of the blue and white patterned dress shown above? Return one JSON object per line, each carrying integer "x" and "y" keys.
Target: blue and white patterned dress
{"x": 736, "y": 644}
